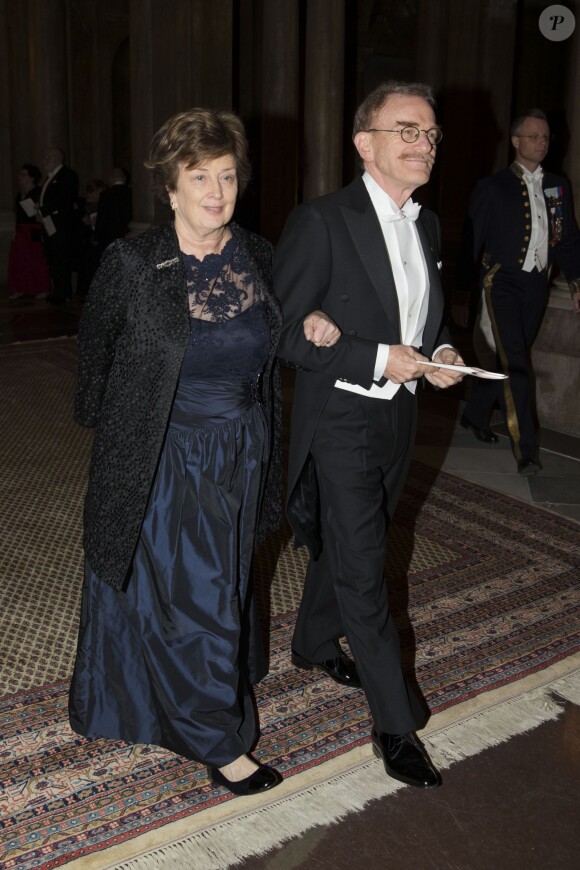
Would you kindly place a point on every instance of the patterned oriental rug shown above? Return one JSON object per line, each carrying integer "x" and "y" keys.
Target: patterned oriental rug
{"x": 485, "y": 591}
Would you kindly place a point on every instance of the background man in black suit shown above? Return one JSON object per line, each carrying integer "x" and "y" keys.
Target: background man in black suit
{"x": 360, "y": 256}
{"x": 58, "y": 202}
{"x": 520, "y": 221}
{"x": 114, "y": 212}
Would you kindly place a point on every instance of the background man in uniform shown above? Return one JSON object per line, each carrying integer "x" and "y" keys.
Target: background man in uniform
{"x": 520, "y": 221}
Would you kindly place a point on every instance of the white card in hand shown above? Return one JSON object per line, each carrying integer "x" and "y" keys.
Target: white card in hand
{"x": 468, "y": 370}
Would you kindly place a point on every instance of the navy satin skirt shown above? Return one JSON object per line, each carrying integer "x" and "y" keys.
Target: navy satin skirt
{"x": 170, "y": 660}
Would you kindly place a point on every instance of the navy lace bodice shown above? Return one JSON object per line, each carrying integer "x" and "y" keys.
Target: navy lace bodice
{"x": 230, "y": 338}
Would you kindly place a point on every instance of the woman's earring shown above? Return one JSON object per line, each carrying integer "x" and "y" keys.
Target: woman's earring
{"x": 173, "y": 205}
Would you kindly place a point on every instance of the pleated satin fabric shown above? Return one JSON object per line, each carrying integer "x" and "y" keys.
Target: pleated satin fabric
{"x": 170, "y": 660}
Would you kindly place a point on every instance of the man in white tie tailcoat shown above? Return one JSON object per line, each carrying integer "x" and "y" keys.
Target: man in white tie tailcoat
{"x": 368, "y": 257}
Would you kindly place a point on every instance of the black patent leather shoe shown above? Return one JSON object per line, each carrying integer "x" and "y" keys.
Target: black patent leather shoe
{"x": 485, "y": 435}
{"x": 341, "y": 669}
{"x": 405, "y": 759}
{"x": 262, "y": 779}
{"x": 528, "y": 467}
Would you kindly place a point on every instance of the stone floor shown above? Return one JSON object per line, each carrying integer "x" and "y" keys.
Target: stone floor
{"x": 441, "y": 442}
{"x": 512, "y": 807}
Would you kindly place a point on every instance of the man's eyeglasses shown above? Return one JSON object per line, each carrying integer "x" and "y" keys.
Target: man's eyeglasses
{"x": 535, "y": 137}
{"x": 411, "y": 133}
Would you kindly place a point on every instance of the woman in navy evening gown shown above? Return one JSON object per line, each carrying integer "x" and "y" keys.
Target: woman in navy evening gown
{"x": 177, "y": 371}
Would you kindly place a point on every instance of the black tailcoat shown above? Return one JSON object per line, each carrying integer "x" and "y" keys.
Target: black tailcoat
{"x": 113, "y": 215}
{"x": 332, "y": 256}
{"x": 60, "y": 198}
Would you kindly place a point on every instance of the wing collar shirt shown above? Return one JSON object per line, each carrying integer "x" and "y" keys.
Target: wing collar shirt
{"x": 49, "y": 178}
{"x": 537, "y": 254}
{"x": 411, "y": 282}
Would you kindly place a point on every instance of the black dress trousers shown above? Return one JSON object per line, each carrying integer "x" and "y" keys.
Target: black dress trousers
{"x": 362, "y": 451}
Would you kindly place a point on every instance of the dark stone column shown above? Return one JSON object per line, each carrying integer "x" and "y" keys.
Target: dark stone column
{"x": 556, "y": 350}
{"x": 212, "y": 55}
{"x": 33, "y": 90}
{"x": 7, "y": 184}
{"x": 464, "y": 112}
{"x": 431, "y": 40}
{"x": 141, "y": 35}
{"x": 474, "y": 101}
{"x": 181, "y": 56}
{"x": 6, "y": 180}
{"x": 572, "y": 160}
{"x": 280, "y": 123}
{"x": 498, "y": 40}
{"x": 49, "y": 102}
{"x": 323, "y": 101}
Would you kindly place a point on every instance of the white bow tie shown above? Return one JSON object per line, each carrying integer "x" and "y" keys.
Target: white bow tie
{"x": 410, "y": 212}
{"x": 533, "y": 179}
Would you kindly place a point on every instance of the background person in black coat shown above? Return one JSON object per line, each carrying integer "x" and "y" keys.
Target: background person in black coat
{"x": 115, "y": 210}
{"x": 360, "y": 257}
{"x": 520, "y": 222}
{"x": 88, "y": 255}
{"x": 57, "y": 213}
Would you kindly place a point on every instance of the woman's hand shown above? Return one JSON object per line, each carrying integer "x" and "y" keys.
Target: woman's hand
{"x": 320, "y": 329}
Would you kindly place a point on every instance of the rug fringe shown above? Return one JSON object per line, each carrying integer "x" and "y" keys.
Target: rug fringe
{"x": 568, "y": 687}
{"x": 227, "y": 843}
{"x": 491, "y": 727}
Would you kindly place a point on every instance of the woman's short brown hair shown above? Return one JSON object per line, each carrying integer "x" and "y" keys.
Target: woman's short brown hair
{"x": 189, "y": 138}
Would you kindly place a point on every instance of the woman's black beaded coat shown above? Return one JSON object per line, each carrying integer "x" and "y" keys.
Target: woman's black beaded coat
{"x": 132, "y": 339}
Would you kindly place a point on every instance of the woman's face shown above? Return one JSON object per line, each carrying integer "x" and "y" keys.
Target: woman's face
{"x": 25, "y": 182}
{"x": 205, "y": 196}
{"x": 93, "y": 194}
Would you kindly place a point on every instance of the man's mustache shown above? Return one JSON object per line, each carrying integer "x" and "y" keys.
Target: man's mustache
{"x": 419, "y": 155}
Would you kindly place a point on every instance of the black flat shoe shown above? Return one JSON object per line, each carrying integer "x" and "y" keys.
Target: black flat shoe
{"x": 485, "y": 435}
{"x": 261, "y": 779}
{"x": 528, "y": 467}
{"x": 341, "y": 669}
{"x": 405, "y": 759}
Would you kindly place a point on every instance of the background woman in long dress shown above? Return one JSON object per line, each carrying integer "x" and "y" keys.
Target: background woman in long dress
{"x": 27, "y": 268}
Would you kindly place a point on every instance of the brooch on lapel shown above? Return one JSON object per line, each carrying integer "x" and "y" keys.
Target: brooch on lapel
{"x": 555, "y": 204}
{"x": 167, "y": 263}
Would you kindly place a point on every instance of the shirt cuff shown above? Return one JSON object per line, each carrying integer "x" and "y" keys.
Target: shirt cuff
{"x": 441, "y": 347}
{"x": 381, "y": 361}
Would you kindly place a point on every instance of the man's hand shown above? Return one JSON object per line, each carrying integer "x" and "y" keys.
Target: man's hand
{"x": 320, "y": 329}
{"x": 404, "y": 364}
{"x": 444, "y": 378}
{"x": 576, "y": 302}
